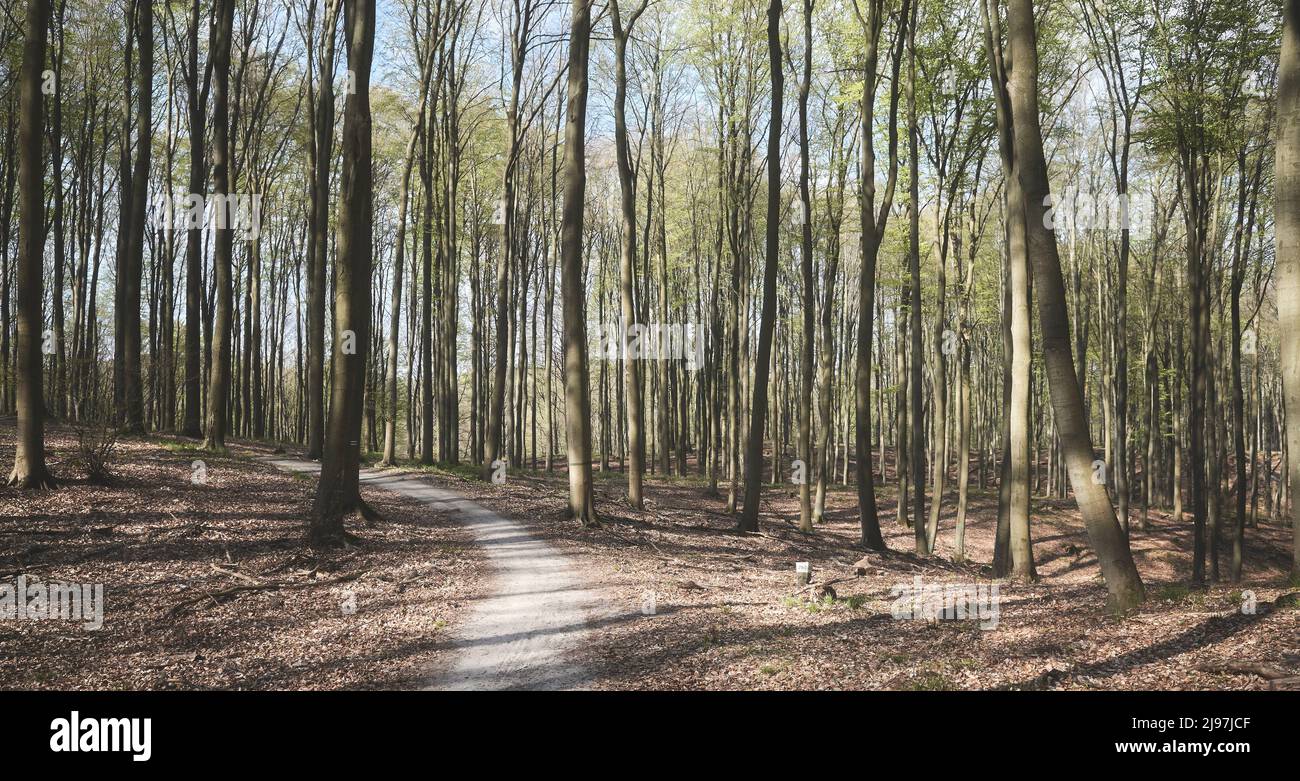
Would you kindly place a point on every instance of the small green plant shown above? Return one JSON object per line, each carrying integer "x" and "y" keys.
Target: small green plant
{"x": 931, "y": 681}
{"x": 184, "y": 448}
{"x": 1173, "y": 592}
{"x": 827, "y": 602}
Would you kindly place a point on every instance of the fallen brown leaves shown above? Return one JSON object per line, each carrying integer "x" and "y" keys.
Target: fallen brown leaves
{"x": 212, "y": 586}
{"x": 693, "y": 604}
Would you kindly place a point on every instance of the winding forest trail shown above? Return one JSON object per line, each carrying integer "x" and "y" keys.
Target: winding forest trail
{"x": 521, "y": 635}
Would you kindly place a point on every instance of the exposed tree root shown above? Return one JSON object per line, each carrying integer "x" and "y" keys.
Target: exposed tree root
{"x": 371, "y": 516}
{"x": 38, "y": 480}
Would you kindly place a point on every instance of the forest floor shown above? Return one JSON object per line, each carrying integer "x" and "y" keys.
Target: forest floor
{"x": 210, "y": 585}
{"x": 687, "y": 602}
{"x": 525, "y": 631}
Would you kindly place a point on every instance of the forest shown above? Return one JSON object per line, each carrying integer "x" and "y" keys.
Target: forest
{"x": 686, "y": 340}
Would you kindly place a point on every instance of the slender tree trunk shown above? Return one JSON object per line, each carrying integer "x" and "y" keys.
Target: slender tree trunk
{"x": 805, "y": 405}
{"x": 1107, "y": 537}
{"x": 395, "y": 316}
{"x": 917, "y": 460}
{"x": 323, "y": 155}
{"x": 872, "y": 228}
{"x": 767, "y": 319}
{"x": 222, "y": 261}
{"x": 495, "y": 445}
{"x": 1013, "y": 547}
{"x": 577, "y": 392}
{"x": 134, "y": 265}
{"x": 197, "y": 102}
{"x": 627, "y": 261}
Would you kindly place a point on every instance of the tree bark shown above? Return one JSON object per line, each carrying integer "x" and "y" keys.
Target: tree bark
{"x": 1122, "y": 581}
{"x": 318, "y": 251}
{"x": 338, "y": 493}
{"x": 627, "y": 259}
{"x": 222, "y": 261}
{"x": 872, "y": 227}
{"x": 197, "y": 102}
{"x": 134, "y": 262}
{"x": 1013, "y": 547}
{"x": 767, "y": 318}
{"x": 29, "y": 471}
{"x": 1288, "y": 251}
{"x": 805, "y": 406}
{"x": 577, "y": 392}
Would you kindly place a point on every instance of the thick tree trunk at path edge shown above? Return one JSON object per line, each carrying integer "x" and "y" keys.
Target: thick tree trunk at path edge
{"x": 29, "y": 458}
{"x": 577, "y": 393}
{"x": 1108, "y": 540}
{"x": 767, "y": 320}
{"x": 337, "y": 492}
{"x": 1288, "y": 252}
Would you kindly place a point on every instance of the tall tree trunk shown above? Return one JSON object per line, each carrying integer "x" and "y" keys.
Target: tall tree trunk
{"x": 627, "y": 260}
{"x": 222, "y": 261}
{"x": 809, "y": 294}
{"x": 826, "y": 374}
{"x": 322, "y": 156}
{"x": 495, "y": 445}
{"x": 577, "y": 392}
{"x": 29, "y": 455}
{"x": 917, "y": 460}
{"x": 337, "y": 493}
{"x": 134, "y": 265}
{"x": 767, "y": 319}
{"x": 1288, "y": 251}
{"x": 395, "y": 315}
{"x": 1013, "y": 547}
{"x": 1108, "y": 539}
{"x": 197, "y": 104}
{"x": 56, "y": 154}
{"x": 872, "y": 229}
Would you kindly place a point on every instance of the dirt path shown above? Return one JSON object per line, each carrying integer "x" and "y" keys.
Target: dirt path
{"x": 520, "y": 636}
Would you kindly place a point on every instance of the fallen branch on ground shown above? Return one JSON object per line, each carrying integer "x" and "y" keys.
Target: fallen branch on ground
{"x": 216, "y": 597}
{"x": 1264, "y": 670}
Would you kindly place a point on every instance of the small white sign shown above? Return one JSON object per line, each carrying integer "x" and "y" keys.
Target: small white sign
{"x": 801, "y": 568}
